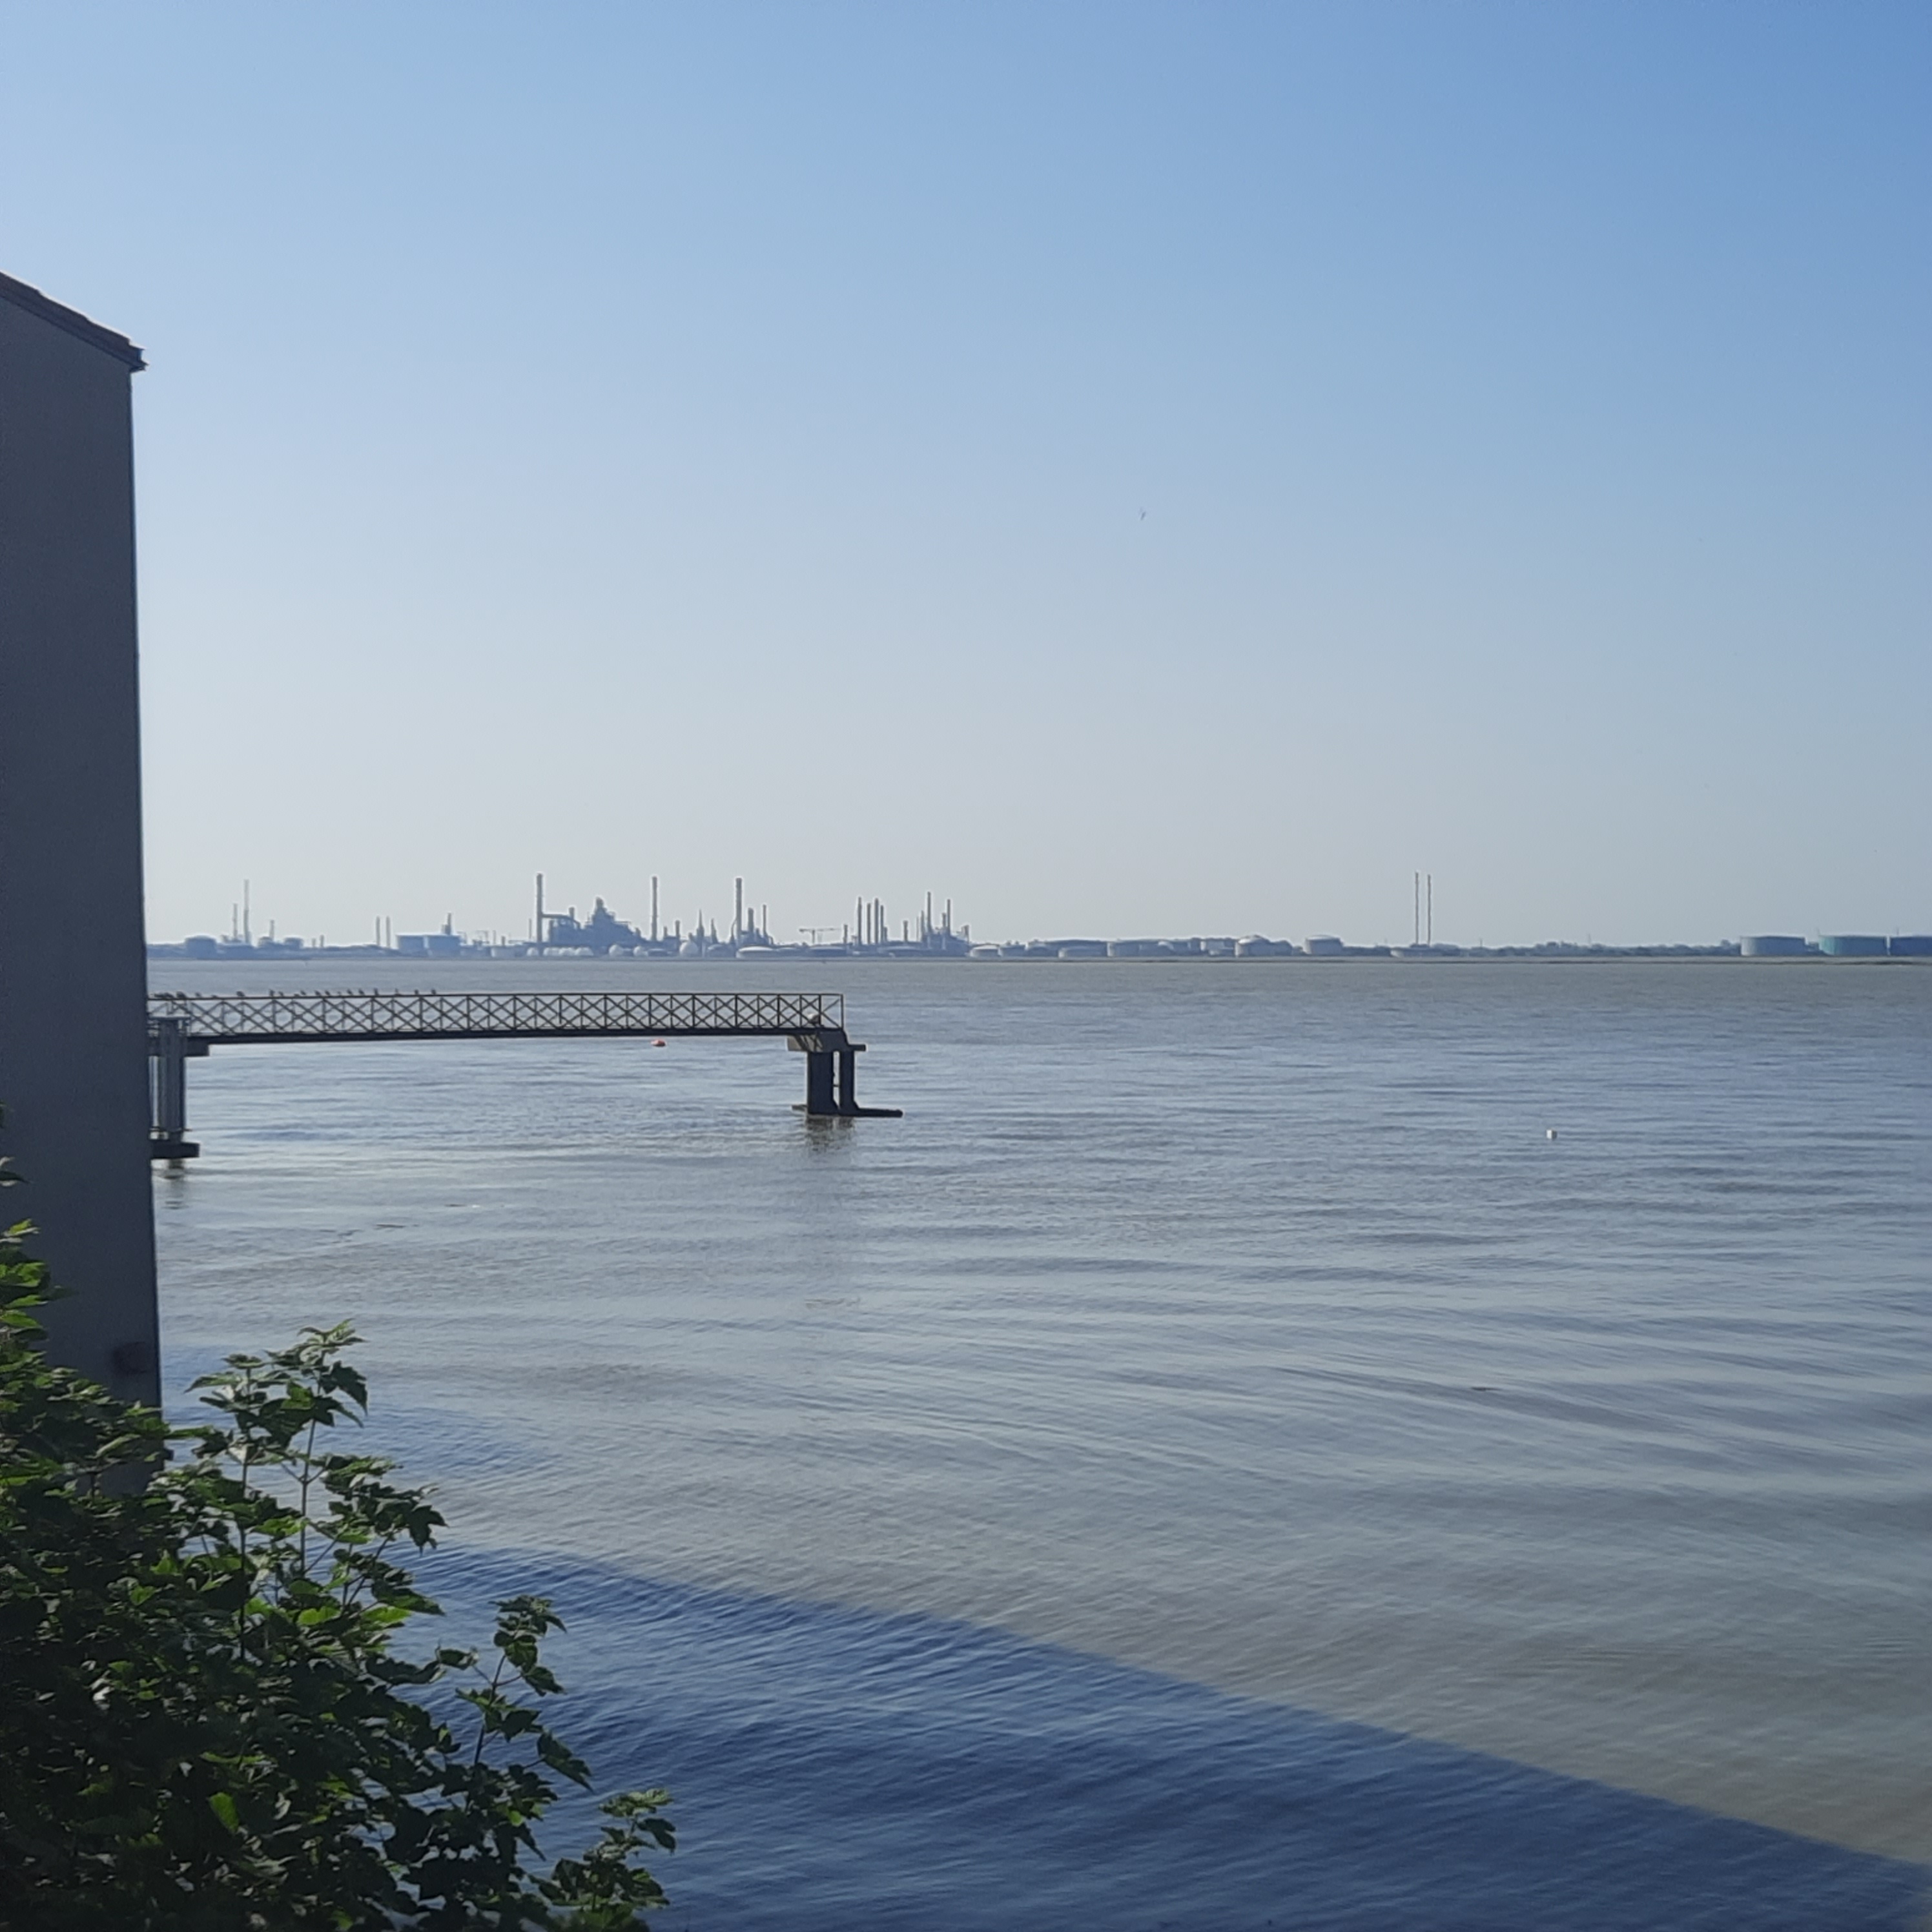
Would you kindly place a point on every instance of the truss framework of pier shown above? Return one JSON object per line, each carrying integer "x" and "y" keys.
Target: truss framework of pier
{"x": 236, "y": 1019}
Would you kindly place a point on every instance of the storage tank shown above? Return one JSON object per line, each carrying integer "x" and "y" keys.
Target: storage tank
{"x": 1771, "y": 945}
{"x": 1852, "y": 945}
{"x": 1911, "y": 946}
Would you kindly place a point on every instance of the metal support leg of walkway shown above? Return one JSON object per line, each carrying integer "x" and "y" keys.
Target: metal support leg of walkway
{"x": 169, "y": 1049}
{"x": 821, "y": 1095}
{"x": 832, "y": 1080}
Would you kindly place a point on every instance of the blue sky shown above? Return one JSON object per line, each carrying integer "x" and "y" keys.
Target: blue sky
{"x": 714, "y": 440}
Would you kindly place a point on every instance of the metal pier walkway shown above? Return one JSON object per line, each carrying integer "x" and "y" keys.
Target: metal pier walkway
{"x": 183, "y": 1026}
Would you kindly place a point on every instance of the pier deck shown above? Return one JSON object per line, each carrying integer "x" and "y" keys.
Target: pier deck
{"x": 185, "y": 1026}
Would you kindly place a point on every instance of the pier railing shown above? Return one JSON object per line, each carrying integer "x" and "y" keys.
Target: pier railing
{"x": 232, "y": 1019}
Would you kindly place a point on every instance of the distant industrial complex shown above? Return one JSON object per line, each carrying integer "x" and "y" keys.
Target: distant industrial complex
{"x": 931, "y": 934}
{"x": 603, "y": 935}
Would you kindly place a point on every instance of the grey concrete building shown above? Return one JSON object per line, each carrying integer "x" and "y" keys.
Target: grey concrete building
{"x": 73, "y": 1069}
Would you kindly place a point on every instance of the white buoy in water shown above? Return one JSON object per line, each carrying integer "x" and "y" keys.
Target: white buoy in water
{"x": 1549, "y": 1133}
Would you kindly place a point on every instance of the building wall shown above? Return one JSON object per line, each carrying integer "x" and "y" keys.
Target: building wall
{"x": 73, "y": 1073}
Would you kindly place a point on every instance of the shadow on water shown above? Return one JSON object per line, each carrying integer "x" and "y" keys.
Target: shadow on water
{"x": 842, "y": 1769}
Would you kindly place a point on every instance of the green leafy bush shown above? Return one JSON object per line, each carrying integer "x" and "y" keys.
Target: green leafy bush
{"x": 205, "y": 1723}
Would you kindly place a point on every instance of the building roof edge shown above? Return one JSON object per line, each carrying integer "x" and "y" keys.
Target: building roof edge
{"x": 22, "y": 296}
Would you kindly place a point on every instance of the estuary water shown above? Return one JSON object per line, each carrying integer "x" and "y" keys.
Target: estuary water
{"x": 1217, "y": 1462}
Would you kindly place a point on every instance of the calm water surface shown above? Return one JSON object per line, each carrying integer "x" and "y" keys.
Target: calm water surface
{"x": 1215, "y": 1462}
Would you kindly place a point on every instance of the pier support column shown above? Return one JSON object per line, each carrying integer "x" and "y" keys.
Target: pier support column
{"x": 832, "y": 1078}
{"x": 170, "y": 1050}
{"x": 820, "y": 1097}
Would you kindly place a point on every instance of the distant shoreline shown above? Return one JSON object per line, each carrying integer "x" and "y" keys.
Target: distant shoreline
{"x": 1283, "y": 954}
